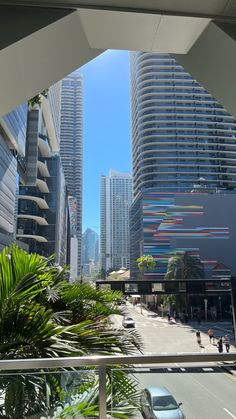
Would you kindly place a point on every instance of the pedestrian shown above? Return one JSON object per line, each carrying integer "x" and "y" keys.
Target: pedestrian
{"x": 220, "y": 345}
{"x": 198, "y": 336}
{"x": 168, "y": 317}
{"x": 227, "y": 342}
{"x": 211, "y": 335}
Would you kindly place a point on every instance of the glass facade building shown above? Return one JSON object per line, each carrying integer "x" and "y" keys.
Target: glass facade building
{"x": 179, "y": 131}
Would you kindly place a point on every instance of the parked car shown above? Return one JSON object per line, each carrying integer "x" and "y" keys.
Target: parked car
{"x": 128, "y": 322}
{"x": 158, "y": 403}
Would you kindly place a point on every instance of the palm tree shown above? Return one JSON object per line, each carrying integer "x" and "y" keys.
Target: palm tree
{"x": 42, "y": 315}
{"x": 183, "y": 266}
{"x": 146, "y": 262}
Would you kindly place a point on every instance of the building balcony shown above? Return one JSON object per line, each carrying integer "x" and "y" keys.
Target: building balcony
{"x": 197, "y": 381}
{"x": 22, "y": 236}
{"x": 44, "y": 147}
{"x": 38, "y": 198}
{"x": 39, "y": 220}
{"x": 42, "y": 185}
{"x": 43, "y": 168}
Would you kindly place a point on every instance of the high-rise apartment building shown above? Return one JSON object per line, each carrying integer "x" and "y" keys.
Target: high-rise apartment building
{"x": 42, "y": 200}
{"x": 183, "y": 144}
{"x": 179, "y": 131}
{"x": 71, "y": 145}
{"x": 116, "y": 199}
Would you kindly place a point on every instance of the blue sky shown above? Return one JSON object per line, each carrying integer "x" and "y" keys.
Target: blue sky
{"x": 107, "y": 143}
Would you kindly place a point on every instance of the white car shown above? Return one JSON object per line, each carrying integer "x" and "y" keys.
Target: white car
{"x": 128, "y": 322}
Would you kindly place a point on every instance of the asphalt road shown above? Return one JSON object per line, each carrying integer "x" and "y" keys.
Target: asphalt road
{"x": 207, "y": 392}
{"x": 205, "y": 395}
{"x": 161, "y": 337}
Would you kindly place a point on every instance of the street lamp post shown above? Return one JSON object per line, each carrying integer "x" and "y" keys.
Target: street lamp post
{"x": 205, "y": 302}
{"x": 220, "y": 307}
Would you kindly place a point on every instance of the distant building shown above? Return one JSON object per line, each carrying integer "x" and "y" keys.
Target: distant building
{"x": 90, "y": 243}
{"x": 71, "y": 146}
{"x": 116, "y": 199}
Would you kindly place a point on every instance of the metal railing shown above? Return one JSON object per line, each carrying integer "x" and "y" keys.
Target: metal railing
{"x": 104, "y": 361}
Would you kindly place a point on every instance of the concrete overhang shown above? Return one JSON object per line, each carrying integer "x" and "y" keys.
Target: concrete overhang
{"x": 40, "y": 239}
{"x": 43, "y": 169}
{"x": 42, "y": 185}
{"x": 39, "y": 220}
{"x": 42, "y": 204}
{"x": 44, "y": 148}
{"x": 50, "y": 39}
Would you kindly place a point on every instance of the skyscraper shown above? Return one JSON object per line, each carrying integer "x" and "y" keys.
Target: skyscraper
{"x": 71, "y": 144}
{"x": 116, "y": 199}
{"x": 183, "y": 146}
{"x": 179, "y": 131}
{"x": 89, "y": 246}
{"x": 42, "y": 206}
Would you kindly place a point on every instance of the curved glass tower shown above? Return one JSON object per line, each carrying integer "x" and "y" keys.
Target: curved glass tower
{"x": 180, "y": 133}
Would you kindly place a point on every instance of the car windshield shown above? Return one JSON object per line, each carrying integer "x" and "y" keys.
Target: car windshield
{"x": 164, "y": 403}
{"x": 128, "y": 318}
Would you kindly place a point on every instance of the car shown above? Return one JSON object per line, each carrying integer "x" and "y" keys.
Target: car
{"x": 128, "y": 322}
{"x": 158, "y": 403}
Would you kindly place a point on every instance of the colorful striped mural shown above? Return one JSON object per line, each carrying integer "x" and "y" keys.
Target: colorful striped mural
{"x": 163, "y": 221}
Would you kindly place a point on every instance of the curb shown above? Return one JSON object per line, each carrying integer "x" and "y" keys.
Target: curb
{"x": 228, "y": 368}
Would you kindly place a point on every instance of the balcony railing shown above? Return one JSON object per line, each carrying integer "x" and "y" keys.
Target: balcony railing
{"x": 101, "y": 363}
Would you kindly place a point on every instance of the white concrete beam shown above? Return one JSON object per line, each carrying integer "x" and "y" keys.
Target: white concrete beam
{"x": 39, "y": 60}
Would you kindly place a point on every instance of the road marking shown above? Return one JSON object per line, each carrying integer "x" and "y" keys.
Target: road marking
{"x": 183, "y": 369}
{"x": 229, "y": 413}
{"x": 207, "y": 369}
{"x": 169, "y": 369}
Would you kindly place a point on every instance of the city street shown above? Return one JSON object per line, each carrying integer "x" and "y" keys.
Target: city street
{"x": 160, "y": 336}
{"x": 206, "y": 391}
{"x": 205, "y": 394}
